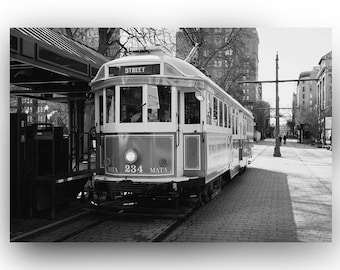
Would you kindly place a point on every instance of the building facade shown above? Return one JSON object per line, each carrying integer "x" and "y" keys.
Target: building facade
{"x": 306, "y": 106}
{"x": 306, "y": 90}
{"x": 294, "y": 108}
{"x": 324, "y": 98}
{"x": 252, "y": 92}
{"x": 227, "y": 56}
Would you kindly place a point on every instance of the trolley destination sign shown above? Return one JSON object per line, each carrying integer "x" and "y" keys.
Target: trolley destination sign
{"x": 134, "y": 70}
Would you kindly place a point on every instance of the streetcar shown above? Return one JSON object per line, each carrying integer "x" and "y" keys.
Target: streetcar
{"x": 165, "y": 130}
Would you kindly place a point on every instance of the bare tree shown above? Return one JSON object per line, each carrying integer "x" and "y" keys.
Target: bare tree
{"x": 149, "y": 36}
{"x": 262, "y": 116}
{"x": 226, "y": 49}
{"x": 114, "y": 42}
{"x": 308, "y": 117}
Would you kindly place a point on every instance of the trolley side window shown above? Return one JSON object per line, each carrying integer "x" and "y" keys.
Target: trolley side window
{"x": 236, "y": 124}
{"x": 245, "y": 122}
{"x": 220, "y": 107}
{"x": 209, "y": 109}
{"x": 192, "y": 109}
{"x": 110, "y": 105}
{"x": 159, "y": 103}
{"x": 131, "y": 104}
{"x": 215, "y": 115}
{"x": 225, "y": 115}
{"x": 233, "y": 122}
{"x": 101, "y": 106}
{"x": 229, "y": 116}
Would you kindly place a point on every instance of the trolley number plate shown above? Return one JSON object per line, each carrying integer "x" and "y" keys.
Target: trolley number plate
{"x": 133, "y": 169}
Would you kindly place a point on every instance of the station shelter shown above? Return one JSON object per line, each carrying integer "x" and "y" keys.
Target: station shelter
{"x": 46, "y": 65}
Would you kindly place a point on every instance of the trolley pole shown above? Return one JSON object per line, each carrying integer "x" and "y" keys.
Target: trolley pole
{"x": 277, "y": 140}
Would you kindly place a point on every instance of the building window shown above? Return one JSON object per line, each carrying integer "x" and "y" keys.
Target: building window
{"x": 229, "y": 51}
{"x": 219, "y": 63}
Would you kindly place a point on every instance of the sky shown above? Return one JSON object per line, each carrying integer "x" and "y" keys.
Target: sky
{"x": 299, "y": 49}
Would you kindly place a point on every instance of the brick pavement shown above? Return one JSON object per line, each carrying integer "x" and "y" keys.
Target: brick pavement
{"x": 282, "y": 199}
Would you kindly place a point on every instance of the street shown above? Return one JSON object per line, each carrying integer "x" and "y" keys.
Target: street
{"x": 277, "y": 199}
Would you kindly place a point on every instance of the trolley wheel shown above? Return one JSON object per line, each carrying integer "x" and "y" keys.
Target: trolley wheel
{"x": 207, "y": 192}
{"x": 201, "y": 200}
{"x": 226, "y": 177}
{"x": 243, "y": 169}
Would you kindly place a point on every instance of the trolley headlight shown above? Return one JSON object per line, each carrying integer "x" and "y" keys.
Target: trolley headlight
{"x": 130, "y": 156}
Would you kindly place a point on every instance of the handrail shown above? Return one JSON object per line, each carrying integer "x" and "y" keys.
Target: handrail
{"x": 76, "y": 143}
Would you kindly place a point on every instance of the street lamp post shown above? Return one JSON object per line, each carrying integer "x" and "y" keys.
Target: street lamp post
{"x": 277, "y": 116}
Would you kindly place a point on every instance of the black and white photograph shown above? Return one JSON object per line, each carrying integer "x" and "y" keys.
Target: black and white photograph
{"x": 166, "y": 136}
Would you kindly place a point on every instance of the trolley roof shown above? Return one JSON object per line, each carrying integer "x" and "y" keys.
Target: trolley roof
{"x": 170, "y": 67}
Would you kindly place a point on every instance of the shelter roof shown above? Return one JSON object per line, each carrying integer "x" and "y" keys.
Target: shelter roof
{"x": 44, "y": 62}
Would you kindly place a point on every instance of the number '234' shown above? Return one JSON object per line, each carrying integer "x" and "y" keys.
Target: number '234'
{"x": 133, "y": 169}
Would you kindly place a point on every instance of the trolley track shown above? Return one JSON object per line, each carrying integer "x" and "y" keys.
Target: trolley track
{"x": 109, "y": 223}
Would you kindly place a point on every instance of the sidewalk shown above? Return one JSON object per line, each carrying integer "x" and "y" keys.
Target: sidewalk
{"x": 277, "y": 199}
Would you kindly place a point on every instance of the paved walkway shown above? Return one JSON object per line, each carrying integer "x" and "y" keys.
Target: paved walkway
{"x": 277, "y": 199}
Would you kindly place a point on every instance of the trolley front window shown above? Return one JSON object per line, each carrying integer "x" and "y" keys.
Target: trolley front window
{"x": 192, "y": 109}
{"x": 110, "y": 105}
{"x": 159, "y": 103}
{"x": 131, "y": 106}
